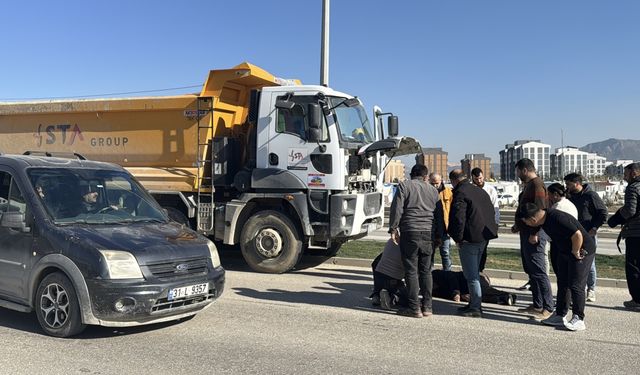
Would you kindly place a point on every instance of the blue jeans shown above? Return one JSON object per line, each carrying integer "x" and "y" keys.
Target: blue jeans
{"x": 470, "y": 255}
{"x": 445, "y": 253}
{"x": 534, "y": 264}
{"x": 593, "y": 274}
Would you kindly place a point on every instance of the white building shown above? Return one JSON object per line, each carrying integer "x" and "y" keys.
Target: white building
{"x": 532, "y": 149}
{"x": 572, "y": 160}
{"x": 596, "y": 164}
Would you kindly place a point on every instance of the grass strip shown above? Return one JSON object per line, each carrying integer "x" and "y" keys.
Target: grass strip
{"x": 609, "y": 266}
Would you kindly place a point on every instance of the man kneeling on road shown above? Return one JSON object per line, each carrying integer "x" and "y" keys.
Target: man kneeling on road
{"x": 390, "y": 292}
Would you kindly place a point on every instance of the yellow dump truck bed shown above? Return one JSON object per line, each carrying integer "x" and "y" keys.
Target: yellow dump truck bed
{"x": 156, "y": 138}
{"x": 157, "y": 132}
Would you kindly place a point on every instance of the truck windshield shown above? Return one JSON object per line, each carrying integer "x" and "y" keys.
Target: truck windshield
{"x": 92, "y": 196}
{"x": 353, "y": 123}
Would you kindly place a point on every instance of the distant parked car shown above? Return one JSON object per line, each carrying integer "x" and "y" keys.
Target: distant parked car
{"x": 507, "y": 200}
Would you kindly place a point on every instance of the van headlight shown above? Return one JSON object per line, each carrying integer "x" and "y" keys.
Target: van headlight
{"x": 121, "y": 265}
{"x": 213, "y": 253}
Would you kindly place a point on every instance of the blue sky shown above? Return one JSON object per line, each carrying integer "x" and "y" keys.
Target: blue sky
{"x": 467, "y": 76}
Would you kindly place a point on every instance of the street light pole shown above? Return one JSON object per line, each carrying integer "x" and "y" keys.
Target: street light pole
{"x": 324, "y": 49}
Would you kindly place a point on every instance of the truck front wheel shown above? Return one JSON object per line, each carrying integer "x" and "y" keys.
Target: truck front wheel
{"x": 270, "y": 242}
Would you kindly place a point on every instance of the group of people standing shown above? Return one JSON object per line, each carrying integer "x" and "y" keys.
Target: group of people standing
{"x": 426, "y": 215}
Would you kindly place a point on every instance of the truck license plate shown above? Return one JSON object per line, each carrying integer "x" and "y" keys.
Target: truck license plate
{"x": 187, "y": 291}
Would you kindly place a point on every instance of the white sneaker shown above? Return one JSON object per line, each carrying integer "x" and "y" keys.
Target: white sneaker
{"x": 555, "y": 321}
{"x": 591, "y": 295}
{"x": 575, "y": 324}
{"x": 385, "y": 299}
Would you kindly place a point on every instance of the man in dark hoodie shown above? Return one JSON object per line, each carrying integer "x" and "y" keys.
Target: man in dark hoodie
{"x": 592, "y": 214}
{"x": 471, "y": 225}
{"x": 629, "y": 216}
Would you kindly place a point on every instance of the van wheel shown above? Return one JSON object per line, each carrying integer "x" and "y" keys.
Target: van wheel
{"x": 57, "y": 306}
{"x": 270, "y": 242}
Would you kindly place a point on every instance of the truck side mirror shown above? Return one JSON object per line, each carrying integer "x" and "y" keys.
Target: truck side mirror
{"x": 14, "y": 220}
{"x": 392, "y": 125}
{"x": 285, "y": 104}
{"x": 314, "y": 115}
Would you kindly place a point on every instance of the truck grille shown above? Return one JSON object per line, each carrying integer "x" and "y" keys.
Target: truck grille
{"x": 179, "y": 268}
{"x": 163, "y": 304}
{"x": 372, "y": 203}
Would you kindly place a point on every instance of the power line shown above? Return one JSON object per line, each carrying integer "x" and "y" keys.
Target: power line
{"x": 102, "y": 95}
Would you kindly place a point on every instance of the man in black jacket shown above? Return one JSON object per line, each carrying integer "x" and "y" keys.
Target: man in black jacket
{"x": 629, "y": 216}
{"x": 471, "y": 225}
{"x": 592, "y": 214}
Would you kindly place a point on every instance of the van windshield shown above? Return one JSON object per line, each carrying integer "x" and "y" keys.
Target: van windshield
{"x": 92, "y": 196}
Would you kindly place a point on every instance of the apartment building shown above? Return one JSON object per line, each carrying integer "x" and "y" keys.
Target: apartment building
{"x": 538, "y": 152}
{"x": 572, "y": 160}
{"x": 395, "y": 171}
{"x": 472, "y": 161}
{"x": 435, "y": 159}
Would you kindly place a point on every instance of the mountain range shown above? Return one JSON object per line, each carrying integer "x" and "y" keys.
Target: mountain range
{"x": 615, "y": 149}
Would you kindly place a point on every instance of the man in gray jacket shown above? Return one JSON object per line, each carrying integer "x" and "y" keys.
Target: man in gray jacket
{"x": 629, "y": 216}
{"x": 415, "y": 220}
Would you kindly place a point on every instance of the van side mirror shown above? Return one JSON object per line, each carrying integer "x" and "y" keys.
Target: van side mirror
{"x": 314, "y": 115}
{"x": 14, "y": 220}
{"x": 392, "y": 125}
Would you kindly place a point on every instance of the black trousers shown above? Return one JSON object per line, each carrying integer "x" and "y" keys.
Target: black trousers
{"x": 632, "y": 267}
{"x": 572, "y": 276}
{"x": 554, "y": 252}
{"x": 417, "y": 250}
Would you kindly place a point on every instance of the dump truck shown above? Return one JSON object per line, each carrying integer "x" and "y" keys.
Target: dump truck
{"x": 253, "y": 160}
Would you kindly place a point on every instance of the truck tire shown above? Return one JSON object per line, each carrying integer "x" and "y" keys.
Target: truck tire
{"x": 270, "y": 242}
{"x": 57, "y": 306}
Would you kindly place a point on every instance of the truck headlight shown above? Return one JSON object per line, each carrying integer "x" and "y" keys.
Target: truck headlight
{"x": 121, "y": 265}
{"x": 213, "y": 253}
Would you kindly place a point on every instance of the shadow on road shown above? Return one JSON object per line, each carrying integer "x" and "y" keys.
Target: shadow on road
{"x": 334, "y": 294}
{"x": 29, "y": 323}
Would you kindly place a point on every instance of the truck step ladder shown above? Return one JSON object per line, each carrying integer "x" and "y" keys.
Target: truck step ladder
{"x": 204, "y": 181}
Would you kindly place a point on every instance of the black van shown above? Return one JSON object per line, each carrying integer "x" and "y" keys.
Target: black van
{"x": 82, "y": 242}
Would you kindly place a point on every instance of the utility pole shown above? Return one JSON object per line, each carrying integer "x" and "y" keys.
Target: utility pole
{"x": 324, "y": 48}
{"x": 561, "y": 168}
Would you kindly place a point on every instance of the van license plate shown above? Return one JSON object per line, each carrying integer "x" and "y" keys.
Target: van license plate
{"x": 187, "y": 291}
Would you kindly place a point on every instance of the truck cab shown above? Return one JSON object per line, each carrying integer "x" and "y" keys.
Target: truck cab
{"x": 318, "y": 168}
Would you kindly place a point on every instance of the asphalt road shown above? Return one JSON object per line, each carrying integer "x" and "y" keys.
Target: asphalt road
{"x": 319, "y": 321}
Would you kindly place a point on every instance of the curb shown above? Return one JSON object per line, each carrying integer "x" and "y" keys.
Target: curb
{"x": 498, "y": 274}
